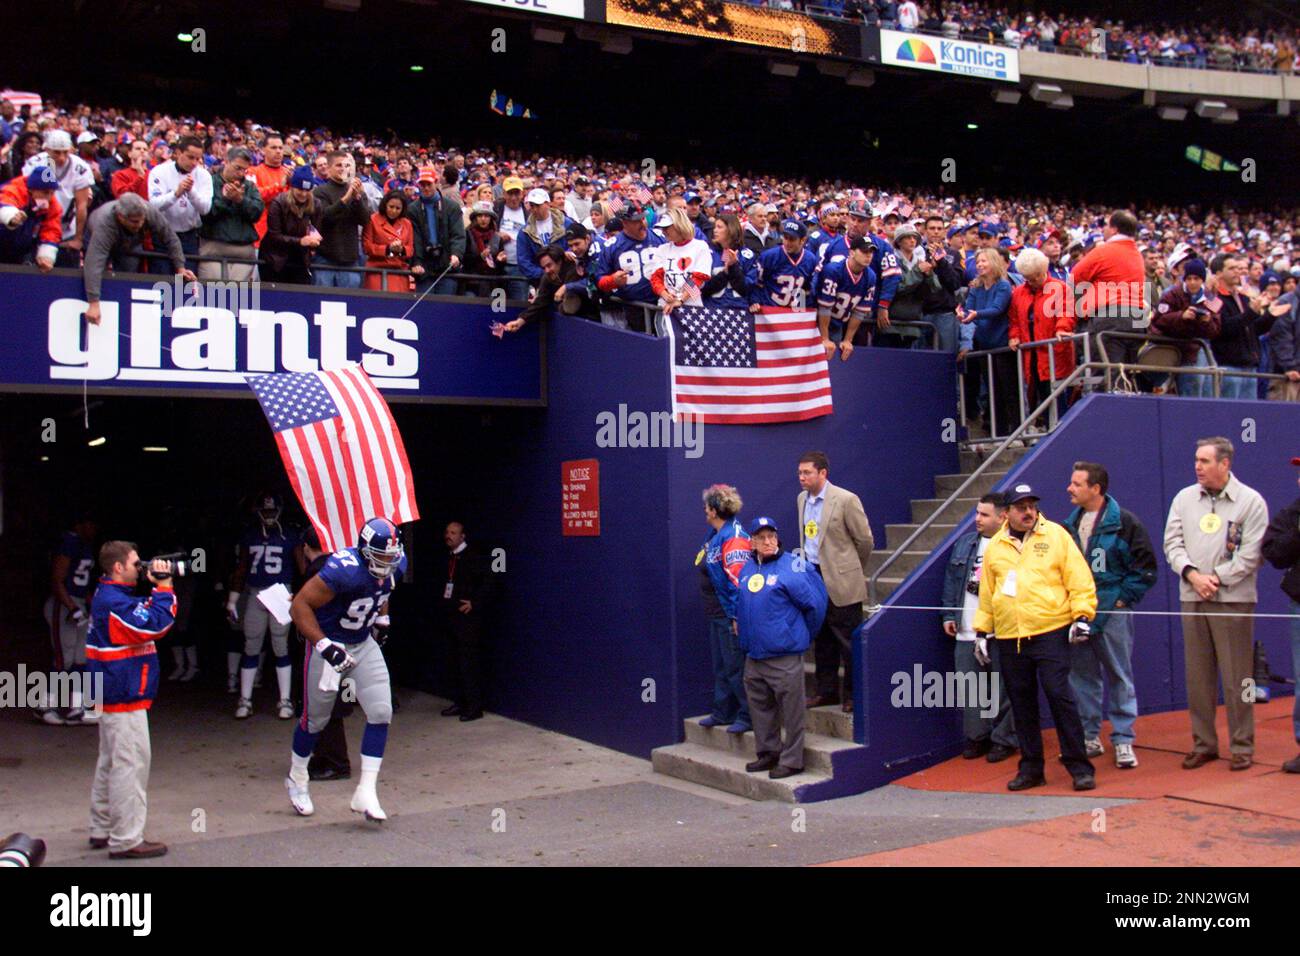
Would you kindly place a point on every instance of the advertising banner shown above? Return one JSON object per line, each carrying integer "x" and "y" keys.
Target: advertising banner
{"x": 956, "y": 57}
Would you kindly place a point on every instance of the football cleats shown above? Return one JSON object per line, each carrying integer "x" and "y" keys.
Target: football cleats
{"x": 381, "y": 546}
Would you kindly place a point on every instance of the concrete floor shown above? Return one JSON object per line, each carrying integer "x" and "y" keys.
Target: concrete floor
{"x": 489, "y": 792}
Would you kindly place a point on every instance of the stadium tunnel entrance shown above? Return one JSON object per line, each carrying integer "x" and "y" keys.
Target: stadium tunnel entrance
{"x": 180, "y": 473}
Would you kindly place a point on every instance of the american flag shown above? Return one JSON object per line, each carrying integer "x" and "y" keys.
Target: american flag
{"x": 341, "y": 448}
{"x": 734, "y": 367}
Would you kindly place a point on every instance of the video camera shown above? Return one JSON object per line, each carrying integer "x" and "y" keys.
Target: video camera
{"x": 180, "y": 567}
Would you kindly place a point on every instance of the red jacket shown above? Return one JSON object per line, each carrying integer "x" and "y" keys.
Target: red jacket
{"x": 130, "y": 181}
{"x": 1115, "y": 275}
{"x": 48, "y": 229}
{"x": 1053, "y": 308}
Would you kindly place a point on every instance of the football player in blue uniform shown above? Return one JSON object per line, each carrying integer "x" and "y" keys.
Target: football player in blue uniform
{"x": 846, "y": 290}
{"x": 66, "y": 612}
{"x": 268, "y": 555}
{"x": 783, "y": 275}
{"x": 342, "y": 614}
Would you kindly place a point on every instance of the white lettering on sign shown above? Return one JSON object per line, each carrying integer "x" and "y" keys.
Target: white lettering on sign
{"x": 556, "y": 8}
{"x": 127, "y": 344}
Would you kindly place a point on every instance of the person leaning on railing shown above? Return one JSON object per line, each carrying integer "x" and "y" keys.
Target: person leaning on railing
{"x": 114, "y": 234}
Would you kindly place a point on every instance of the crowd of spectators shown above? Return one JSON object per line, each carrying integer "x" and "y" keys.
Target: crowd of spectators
{"x": 590, "y": 234}
{"x": 1198, "y": 46}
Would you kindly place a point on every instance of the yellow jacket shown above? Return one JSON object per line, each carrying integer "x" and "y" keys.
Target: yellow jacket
{"x": 1032, "y": 587}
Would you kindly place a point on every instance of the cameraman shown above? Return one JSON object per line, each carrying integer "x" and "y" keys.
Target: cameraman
{"x": 121, "y": 653}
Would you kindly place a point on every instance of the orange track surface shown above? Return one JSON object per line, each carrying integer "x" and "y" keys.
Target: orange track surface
{"x": 1203, "y": 817}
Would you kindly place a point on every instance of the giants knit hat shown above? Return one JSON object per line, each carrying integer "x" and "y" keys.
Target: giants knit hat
{"x": 41, "y": 177}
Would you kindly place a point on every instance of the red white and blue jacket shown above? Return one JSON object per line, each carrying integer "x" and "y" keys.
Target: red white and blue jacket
{"x": 120, "y": 645}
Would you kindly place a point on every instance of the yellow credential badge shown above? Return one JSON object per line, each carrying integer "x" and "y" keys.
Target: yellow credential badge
{"x": 810, "y": 529}
{"x": 755, "y": 583}
{"x": 699, "y": 557}
{"x": 1211, "y": 523}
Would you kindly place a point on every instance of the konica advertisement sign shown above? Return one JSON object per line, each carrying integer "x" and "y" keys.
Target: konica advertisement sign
{"x": 957, "y": 57}
{"x": 203, "y": 339}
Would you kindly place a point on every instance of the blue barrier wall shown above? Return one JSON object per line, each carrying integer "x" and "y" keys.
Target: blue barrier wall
{"x": 1147, "y": 444}
{"x": 586, "y": 621}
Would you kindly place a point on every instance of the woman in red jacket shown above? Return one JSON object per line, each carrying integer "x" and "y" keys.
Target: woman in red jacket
{"x": 389, "y": 243}
{"x": 1042, "y": 308}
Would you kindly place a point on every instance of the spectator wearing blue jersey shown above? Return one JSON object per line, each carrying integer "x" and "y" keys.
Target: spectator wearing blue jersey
{"x": 985, "y": 326}
{"x": 846, "y": 291}
{"x": 624, "y": 269}
{"x": 782, "y": 277}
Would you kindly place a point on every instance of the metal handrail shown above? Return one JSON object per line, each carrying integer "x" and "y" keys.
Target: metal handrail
{"x": 1066, "y": 383}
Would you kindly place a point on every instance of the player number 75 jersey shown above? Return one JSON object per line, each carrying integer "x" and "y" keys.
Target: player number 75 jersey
{"x": 358, "y": 596}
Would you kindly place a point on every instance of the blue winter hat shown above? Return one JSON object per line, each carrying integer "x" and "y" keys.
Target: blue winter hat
{"x": 42, "y": 177}
{"x": 302, "y": 178}
{"x": 1194, "y": 267}
{"x": 1268, "y": 278}
{"x": 758, "y": 524}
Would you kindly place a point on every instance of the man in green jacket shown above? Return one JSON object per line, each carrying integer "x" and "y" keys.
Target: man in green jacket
{"x": 229, "y": 229}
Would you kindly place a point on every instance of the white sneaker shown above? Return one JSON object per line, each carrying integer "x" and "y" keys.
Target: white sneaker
{"x": 299, "y": 797}
{"x": 243, "y": 709}
{"x": 232, "y": 684}
{"x": 91, "y": 716}
{"x": 365, "y": 800}
{"x": 1125, "y": 758}
{"x": 285, "y": 711}
{"x": 1093, "y": 747}
{"x": 53, "y": 718}
{"x": 79, "y": 716}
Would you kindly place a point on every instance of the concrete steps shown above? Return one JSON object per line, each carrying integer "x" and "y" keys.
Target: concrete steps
{"x": 818, "y": 749}
{"x": 944, "y": 485}
{"x": 725, "y": 770}
{"x": 896, "y": 534}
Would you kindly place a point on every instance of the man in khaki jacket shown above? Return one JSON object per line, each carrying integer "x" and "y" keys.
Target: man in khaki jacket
{"x": 1212, "y": 542}
{"x": 835, "y": 538}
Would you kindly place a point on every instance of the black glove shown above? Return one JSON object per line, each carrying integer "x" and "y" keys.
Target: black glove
{"x": 379, "y": 629}
{"x": 336, "y": 656}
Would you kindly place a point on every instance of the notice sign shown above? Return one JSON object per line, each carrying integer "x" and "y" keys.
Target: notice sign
{"x": 580, "y": 497}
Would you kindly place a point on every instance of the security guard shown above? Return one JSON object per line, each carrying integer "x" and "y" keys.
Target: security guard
{"x": 1037, "y": 596}
{"x": 781, "y": 605}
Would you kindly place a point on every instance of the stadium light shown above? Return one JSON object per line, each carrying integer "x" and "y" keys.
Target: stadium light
{"x": 1007, "y": 97}
{"x": 96, "y": 442}
{"x": 862, "y": 78}
{"x": 161, "y": 448}
{"x": 1044, "y": 92}
{"x": 972, "y": 125}
{"x": 777, "y": 68}
{"x": 1208, "y": 109}
{"x": 547, "y": 35}
{"x": 185, "y": 37}
{"x": 45, "y": 457}
{"x": 416, "y": 68}
{"x": 1174, "y": 114}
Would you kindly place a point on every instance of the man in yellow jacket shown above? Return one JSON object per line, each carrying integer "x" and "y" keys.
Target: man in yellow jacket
{"x": 1036, "y": 598}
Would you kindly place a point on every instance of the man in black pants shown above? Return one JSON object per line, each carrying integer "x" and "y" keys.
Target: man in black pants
{"x": 464, "y": 596}
{"x": 1037, "y": 597}
{"x": 329, "y": 761}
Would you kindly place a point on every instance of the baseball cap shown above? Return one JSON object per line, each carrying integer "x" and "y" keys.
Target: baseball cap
{"x": 41, "y": 177}
{"x": 428, "y": 174}
{"x": 632, "y": 211}
{"x": 956, "y": 229}
{"x": 87, "y": 137}
{"x": 794, "y": 229}
{"x": 858, "y": 209}
{"x": 692, "y": 197}
{"x": 537, "y": 197}
{"x": 861, "y": 242}
{"x": 58, "y": 139}
{"x": 1021, "y": 492}
{"x": 512, "y": 183}
{"x": 758, "y": 524}
{"x": 988, "y": 229}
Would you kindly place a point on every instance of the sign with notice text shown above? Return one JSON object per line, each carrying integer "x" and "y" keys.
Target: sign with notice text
{"x": 580, "y": 497}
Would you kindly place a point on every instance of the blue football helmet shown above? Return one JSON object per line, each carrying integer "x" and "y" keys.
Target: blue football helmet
{"x": 381, "y": 546}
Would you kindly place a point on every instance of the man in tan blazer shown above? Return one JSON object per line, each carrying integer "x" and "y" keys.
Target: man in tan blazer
{"x": 835, "y": 539}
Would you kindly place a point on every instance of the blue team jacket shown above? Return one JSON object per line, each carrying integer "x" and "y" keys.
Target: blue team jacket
{"x": 120, "y": 644}
{"x": 779, "y": 608}
{"x": 726, "y": 552}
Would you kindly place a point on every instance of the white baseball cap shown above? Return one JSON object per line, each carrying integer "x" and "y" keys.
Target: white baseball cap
{"x": 537, "y": 196}
{"x": 87, "y": 137}
{"x": 58, "y": 139}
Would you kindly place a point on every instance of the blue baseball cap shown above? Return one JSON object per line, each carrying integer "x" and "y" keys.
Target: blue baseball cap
{"x": 692, "y": 197}
{"x": 956, "y": 229}
{"x": 794, "y": 229}
{"x": 758, "y": 524}
{"x": 989, "y": 229}
{"x": 1019, "y": 492}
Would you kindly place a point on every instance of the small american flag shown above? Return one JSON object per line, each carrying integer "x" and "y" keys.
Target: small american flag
{"x": 637, "y": 190}
{"x": 341, "y": 449}
{"x": 734, "y": 367}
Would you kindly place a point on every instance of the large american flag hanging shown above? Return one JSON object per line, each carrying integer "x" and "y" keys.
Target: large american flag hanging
{"x": 341, "y": 448}
{"x": 734, "y": 367}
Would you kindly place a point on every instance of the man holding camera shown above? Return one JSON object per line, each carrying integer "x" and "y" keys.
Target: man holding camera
{"x": 121, "y": 654}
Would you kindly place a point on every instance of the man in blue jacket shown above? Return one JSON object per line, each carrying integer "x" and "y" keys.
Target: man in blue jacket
{"x": 1123, "y": 563}
{"x": 991, "y": 737}
{"x": 781, "y": 606}
{"x": 120, "y": 653}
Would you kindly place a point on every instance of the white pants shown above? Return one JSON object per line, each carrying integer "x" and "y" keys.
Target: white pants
{"x": 118, "y": 801}
{"x": 68, "y": 639}
{"x": 257, "y": 620}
